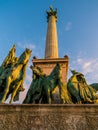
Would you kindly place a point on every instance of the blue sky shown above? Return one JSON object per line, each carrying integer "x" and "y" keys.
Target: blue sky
{"x": 24, "y": 22}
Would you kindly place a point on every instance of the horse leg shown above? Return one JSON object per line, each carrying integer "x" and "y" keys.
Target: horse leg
{"x": 15, "y": 92}
{"x": 6, "y": 91}
{"x": 27, "y": 99}
{"x": 49, "y": 96}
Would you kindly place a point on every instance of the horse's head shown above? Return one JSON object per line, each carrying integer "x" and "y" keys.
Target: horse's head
{"x": 25, "y": 56}
{"x": 37, "y": 71}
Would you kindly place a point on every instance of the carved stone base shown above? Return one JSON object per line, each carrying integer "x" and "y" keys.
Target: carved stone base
{"x": 49, "y": 117}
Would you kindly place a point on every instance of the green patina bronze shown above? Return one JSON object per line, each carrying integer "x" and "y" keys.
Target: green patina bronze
{"x": 9, "y": 61}
{"x": 79, "y": 90}
{"x": 51, "y": 12}
{"x": 95, "y": 86}
{"x": 42, "y": 86}
{"x": 65, "y": 95}
{"x": 35, "y": 91}
{"x": 75, "y": 91}
{"x": 12, "y": 74}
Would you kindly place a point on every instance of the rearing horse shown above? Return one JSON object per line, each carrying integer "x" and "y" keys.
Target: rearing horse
{"x": 50, "y": 83}
{"x": 15, "y": 78}
{"x": 42, "y": 86}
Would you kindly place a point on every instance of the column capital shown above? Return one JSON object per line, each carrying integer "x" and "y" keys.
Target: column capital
{"x": 51, "y": 12}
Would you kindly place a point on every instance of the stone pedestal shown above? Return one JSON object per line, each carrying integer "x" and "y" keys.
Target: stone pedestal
{"x": 48, "y": 65}
{"x": 49, "y": 117}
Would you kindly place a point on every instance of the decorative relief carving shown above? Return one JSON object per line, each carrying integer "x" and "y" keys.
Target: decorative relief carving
{"x": 51, "y": 65}
{"x": 48, "y": 119}
{"x": 47, "y": 65}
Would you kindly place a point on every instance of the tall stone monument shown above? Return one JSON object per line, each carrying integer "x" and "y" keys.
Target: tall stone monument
{"x": 51, "y": 50}
{"x": 50, "y": 116}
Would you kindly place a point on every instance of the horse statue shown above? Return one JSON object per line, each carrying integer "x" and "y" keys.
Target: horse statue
{"x": 35, "y": 90}
{"x": 6, "y": 66}
{"x": 42, "y": 86}
{"x": 13, "y": 82}
{"x": 9, "y": 60}
{"x": 79, "y": 90}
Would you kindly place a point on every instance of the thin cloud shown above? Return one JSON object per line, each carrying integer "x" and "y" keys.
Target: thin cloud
{"x": 68, "y": 26}
{"x": 36, "y": 49}
{"x": 87, "y": 66}
{"x": 26, "y": 45}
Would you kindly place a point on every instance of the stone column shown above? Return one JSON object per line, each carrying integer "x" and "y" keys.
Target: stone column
{"x": 51, "y": 50}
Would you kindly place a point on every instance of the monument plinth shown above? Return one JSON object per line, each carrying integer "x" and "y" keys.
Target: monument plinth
{"x": 66, "y": 116}
{"x": 49, "y": 117}
{"x": 51, "y": 51}
{"x": 48, "y": 64}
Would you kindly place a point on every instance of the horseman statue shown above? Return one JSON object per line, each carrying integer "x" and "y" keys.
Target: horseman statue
{"x": 75, "y": 91}
{"x": 42, "y": 86}
{"x": 12, "y": 74}
{"x": 79, "y": 90}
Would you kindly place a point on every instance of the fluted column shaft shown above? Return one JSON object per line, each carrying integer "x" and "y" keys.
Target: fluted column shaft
{"x": 51, "y": 50}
